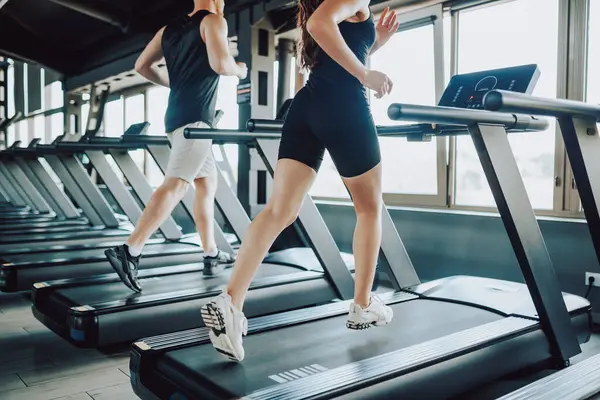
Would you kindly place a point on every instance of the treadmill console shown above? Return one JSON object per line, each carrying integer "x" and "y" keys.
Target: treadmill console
{"x": 468, "y": 90}
{"x": 137, "y": 129}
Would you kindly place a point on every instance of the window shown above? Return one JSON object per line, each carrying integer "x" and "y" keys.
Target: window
{"x": 227, "y": 101}
{"x": 113, "y": 118}
{"x": 11, "y": 131}
{"x": 485, "y": 42}
{"x": 56, "y": 125}
{"x": 39, "y": 127}
{"x": 85, "y": 113}
{"x": 447, "y": 47}
{"x": 134, "y": 114}
{"x": 113, "y": 126}
{"x": 56, "y": 95}
{"x": 414, "y": 82}
{"x": 158, "y": 97}
{"x": 22, "y": 132}
{"x": 593, "y": 77}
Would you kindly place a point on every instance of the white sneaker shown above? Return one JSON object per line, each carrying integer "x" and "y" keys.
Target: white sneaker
{"x": 377, "y": 313}
{"x": 227, "y": 325}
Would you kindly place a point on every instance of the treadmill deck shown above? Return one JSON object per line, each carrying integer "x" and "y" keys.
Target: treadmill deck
{"x": 283, "y": 348}
{"x": 289, "y": 353}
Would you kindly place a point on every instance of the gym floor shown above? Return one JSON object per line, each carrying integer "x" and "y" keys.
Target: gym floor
{"x": 35, "y": 364}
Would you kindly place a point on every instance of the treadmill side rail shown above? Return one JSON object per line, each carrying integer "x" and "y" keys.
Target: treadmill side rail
{"x": 580, "y": 381}
{"x": 192, "y": 337}
{"x": 330, "y": 383}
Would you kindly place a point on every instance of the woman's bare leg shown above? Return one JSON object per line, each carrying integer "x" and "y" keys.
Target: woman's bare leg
{"x": 366, "y": 194}
{"x": 291, "y": 183}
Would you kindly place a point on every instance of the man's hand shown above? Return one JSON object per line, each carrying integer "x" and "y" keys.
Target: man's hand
{"x": 243, "y": 70}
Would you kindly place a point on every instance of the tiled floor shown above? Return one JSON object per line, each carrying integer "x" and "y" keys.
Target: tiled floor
{"x": 35, "y": 364}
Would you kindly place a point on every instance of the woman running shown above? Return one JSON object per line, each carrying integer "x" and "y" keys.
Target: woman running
{"x": 331, "y": 112}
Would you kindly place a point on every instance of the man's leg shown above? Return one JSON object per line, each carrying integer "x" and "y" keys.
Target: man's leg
{"x": 204, "y": 210}
{"x": 159, "y": 208}
{"x": 185, "y": 161}
{"x": 204, "y": 216}
{"x": 125, "y": 259}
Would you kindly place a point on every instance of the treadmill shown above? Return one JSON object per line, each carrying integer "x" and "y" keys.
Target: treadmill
{"x": 79, "y": 187}
{"x": 447, "y": 336}
{"x": 100, "y": 311}
{"x": 20, "y": 271}
{"x": 11, "y": 205}
{"x": 49, "y": 212}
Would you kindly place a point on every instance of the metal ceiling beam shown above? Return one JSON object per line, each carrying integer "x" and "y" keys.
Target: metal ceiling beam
{"x": 103, "y": 16}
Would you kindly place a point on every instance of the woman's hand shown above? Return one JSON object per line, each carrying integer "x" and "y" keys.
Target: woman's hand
{"x": 379, "y": 82}
{"x": 386, "y": 27}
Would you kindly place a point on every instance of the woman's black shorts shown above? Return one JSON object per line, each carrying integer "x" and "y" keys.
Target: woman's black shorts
{"x": 340, "y": 121}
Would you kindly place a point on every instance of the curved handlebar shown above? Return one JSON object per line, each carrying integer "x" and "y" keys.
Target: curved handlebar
{"x": 461, "y": 116}
{"x": 502, "y": 100}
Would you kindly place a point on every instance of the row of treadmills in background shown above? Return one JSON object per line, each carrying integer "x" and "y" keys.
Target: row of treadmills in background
{"x": 447, "y": 337}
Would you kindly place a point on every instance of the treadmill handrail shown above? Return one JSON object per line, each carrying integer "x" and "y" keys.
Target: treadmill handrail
{"x": 268, "y": 125}
{"x": 461, "y": 116}
{"x": 228, "y": 135}
{"x": 502, "y": 100}
{"x": 413, "y": 132}
{"x": 145, "y": 139}
{"x": 81, "y": 147}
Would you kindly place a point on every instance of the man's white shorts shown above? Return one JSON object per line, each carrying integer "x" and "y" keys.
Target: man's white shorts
{"x": 190, "y": 158}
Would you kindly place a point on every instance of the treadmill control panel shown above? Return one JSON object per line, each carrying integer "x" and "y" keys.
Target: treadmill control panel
{"x": 467, "y": 90}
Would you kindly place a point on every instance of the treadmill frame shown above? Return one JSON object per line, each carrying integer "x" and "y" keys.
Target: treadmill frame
{"x": 491, "y": 142}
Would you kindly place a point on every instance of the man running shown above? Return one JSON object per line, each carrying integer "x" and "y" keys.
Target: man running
{"x": 196, "y": 52}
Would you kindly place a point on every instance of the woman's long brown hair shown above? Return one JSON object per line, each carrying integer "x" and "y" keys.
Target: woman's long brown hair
{"x": 309, "y": 49}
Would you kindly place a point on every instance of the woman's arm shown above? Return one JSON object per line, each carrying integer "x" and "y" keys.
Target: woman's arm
{"x": 323, "y": 27}
{"x": 386, "y": 27}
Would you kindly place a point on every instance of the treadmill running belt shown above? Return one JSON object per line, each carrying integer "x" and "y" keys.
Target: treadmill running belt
{"x": 152, "y": 286}
{"x": 289, "y": 353}
{"x": 92, "y": 254}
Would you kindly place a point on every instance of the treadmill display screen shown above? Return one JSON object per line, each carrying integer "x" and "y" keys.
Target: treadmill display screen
{"x": 467, "y": 90}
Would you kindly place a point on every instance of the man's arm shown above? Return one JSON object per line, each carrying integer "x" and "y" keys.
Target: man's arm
{"x": 213, "y": 31}
{"x": 151, "y": 55}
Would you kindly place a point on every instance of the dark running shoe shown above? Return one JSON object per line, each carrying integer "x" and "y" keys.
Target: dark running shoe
{"x": 215, "y": 265}
{"x": 125, "y": 265}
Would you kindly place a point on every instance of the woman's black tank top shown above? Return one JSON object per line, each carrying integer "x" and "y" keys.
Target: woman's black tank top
{"x": 193, "y": 82}
{"x": 360, "y": 37}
